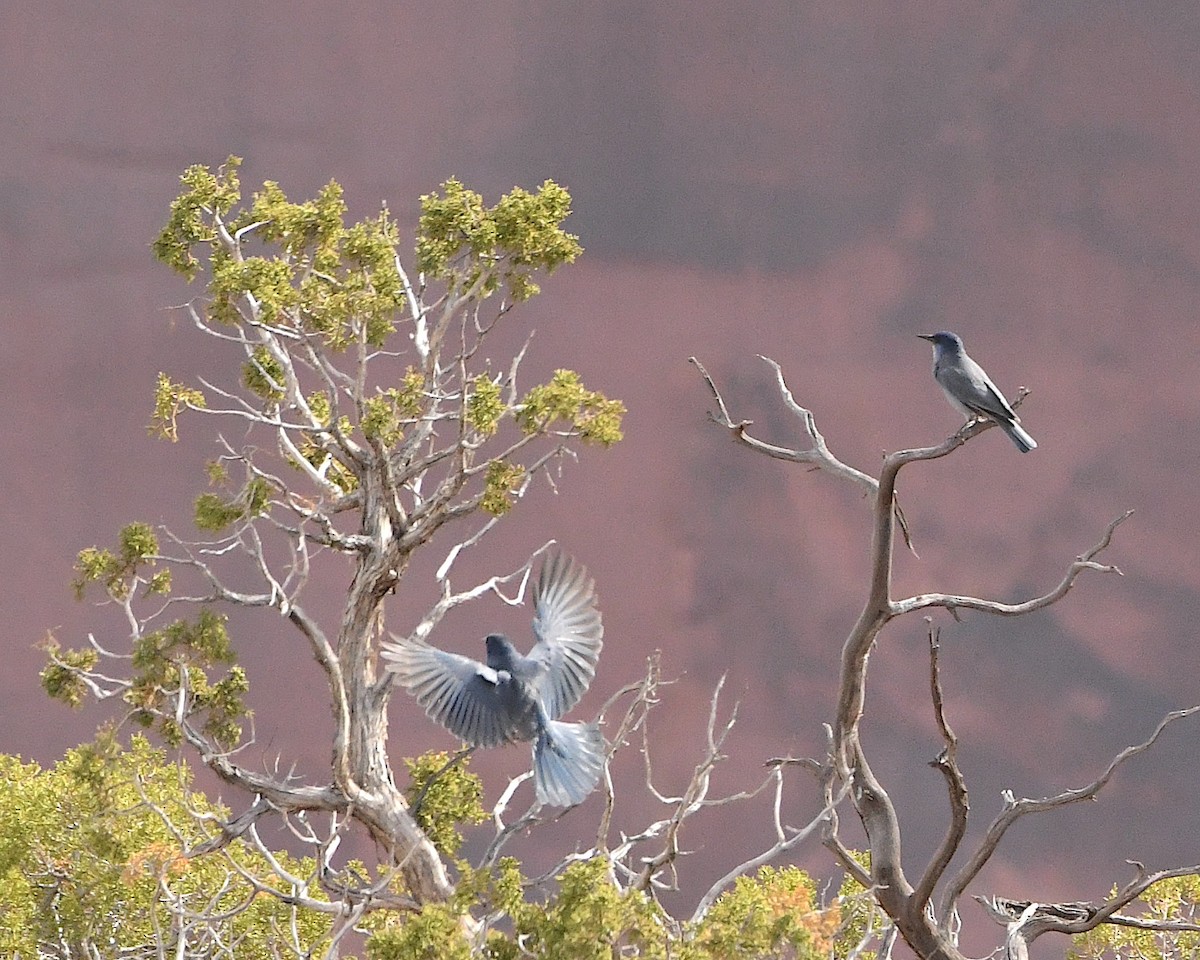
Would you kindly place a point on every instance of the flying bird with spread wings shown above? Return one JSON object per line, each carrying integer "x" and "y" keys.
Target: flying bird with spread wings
{"x": 519, "y": 698}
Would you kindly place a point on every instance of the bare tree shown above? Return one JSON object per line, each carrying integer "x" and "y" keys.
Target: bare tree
{"x": 925, "y": 908}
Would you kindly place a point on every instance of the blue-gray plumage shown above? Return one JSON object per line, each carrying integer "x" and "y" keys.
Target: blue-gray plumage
{"x": 514, "y": 698}
{"x": 970, "y": 390}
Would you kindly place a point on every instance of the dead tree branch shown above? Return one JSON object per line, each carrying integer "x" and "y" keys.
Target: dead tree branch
{"x": 932, "y": 934}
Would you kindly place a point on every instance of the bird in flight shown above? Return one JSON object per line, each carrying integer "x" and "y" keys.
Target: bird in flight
{"x": 519, "y": 698}
{"x": 970, "y": 390}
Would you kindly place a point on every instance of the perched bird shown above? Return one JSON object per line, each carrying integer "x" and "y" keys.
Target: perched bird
{"x": 970, "y": 390}
{"x": 515, "y": 698}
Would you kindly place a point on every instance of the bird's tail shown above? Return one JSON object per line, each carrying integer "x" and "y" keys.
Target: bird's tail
{"x": 1019, "y": 436}
{"x": 568, "y": 759}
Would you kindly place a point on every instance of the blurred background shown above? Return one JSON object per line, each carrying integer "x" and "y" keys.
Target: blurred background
{"x": 817, "y": 182}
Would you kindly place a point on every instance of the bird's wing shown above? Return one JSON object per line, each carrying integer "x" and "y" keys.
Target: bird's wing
{"x": 569, "y": 634}
{"x": 975, "y": 390}
{"x": 459, "y": 693}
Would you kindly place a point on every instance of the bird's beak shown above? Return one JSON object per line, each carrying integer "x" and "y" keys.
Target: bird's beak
{"x": 926, "y": 336}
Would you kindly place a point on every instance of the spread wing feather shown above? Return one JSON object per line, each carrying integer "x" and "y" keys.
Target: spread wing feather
{"x": 459, "y": 693}
{"x": 569, "y": 634}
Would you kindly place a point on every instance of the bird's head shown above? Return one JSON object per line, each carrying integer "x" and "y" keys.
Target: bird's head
{"x": 501, "y": 655}
{"x": 944, "y": 342}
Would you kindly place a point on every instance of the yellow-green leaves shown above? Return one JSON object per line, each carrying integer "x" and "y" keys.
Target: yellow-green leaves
{"x": 263, "y": 374}
{"x": 443, "y": 797}
{"x": 269, "y": 282}
{"x": 315, "y": 274}
{"x": 589, "y": 919}
{"x": 170, "y": 399}
{"x": 116, "y": 571}
{"x": 501, "y": 244}
{"x": 385, "y": 415}
{"x": 565, "y": 399}
{"x": 205, "y": 195}
{"x": 771, "y": 914}
{"x": 358, "y": 295}
{"x": 61, "y": 677}
{"x": 502, "y": 481}
{"x": 214, "y": 513}
{"x": 1176, "y": 900}
{"x": 298, "y": 228}
{"x": 484, "y": 406}
{"x": 85, "y": 843}
{"x": 455, "y": 220}
{"x": 433, "y": 934}
{"x": 162, "y": 658}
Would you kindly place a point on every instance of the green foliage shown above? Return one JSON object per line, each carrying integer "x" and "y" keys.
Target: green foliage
{"x": 270, "y": 281}
{"x": 61, "y": 677}
{"x": 138, "y": 545}
{"x": 83, "y": 849}
{"x": 213, "y": 513}
{"x": 326, "y": 463}
{"x": 1176, "y": 899}
{"x": 190, "y": 222}
{"x": 484, "y": 406}
{"x": 858, "y": 911}
{"x": 500, "y": 890}
{"x": 331, "y": 279}
{"x": 565, "y": 398}
{"x": 773, "y": 914}
{"x": 502, "y": 481}
{"x": 160, "y": 661}
{"x": 432, "y": 934}
{"x": 263, "y": 375}
{"x": 444, "y": 797}
{"x": 493, "y": 245}
{"x": 589, "y": 919}
{"x": 385, "y": 414}
{"x": 170, "y": 399}
{"x": 298, "y": 227}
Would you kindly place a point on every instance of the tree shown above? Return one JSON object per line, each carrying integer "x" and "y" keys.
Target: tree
{"x": 925, "y": 910}
{"x": 362, "y": 423}
{"x": 367, "y": 422}
{"x": 91, "y": 860}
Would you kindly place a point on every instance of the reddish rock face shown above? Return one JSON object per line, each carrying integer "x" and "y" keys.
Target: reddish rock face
{"x": 810, "y": 184}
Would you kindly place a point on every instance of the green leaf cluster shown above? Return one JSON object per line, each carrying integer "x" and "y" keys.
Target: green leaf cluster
{"x": 268, "y": 281}
{"x": 386, "y": 414}
{"x": 485, "y": 406}
{"x": 205, "y": 195}
{"x": 490, "y": 246}
{"x": 1176, "y": 899}
{"x": 263, "y": 375}
{"x": 500, "y": 485}
{"x": 773, "y": 914}
{"x": 171, "y": 399}
{"x": 82, "y": 852}
{"x": 338, "y": 281}
{"x": 770, "y": 915}
{"x": 160, "y": 660}
{"x": 443, "y": 796}
{"x": 859, "y": 911}
{"x": 565, "y": 399}
{"x": 214, "y": 513}
{"x": 62, "y": 678}
{"x": 118, "y": 571}
{"x": 588, "y": 919}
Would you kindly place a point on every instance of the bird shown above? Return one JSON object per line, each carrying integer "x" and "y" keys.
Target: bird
{"x": 970, "y": 390}
{"x": 515, "y": 698}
